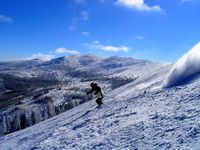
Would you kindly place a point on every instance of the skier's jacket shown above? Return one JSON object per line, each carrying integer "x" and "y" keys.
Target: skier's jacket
{"x": 97, "y": 91}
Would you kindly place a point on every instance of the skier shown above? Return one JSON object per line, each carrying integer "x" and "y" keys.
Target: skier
{"x": 97, "y": 92}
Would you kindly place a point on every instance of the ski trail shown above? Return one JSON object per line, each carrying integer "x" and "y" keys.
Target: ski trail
{"x": 81, "y": 116}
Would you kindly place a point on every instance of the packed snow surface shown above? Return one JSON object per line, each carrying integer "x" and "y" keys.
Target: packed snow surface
{"x": 187, "y": 66}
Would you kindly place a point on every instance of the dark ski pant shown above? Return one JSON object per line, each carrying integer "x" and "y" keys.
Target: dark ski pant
{"x": 98, "y": 101}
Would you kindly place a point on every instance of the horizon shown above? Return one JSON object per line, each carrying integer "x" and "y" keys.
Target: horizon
{"x": 44, "y": 59}
{"x": 73, "y": 55}
{"x": 140, "y": 29}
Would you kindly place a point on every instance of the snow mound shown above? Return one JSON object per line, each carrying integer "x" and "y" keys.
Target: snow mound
{"x": 187, "y": 66}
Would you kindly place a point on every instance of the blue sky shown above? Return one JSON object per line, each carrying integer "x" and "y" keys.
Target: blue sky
{"x": 160, "y": 30}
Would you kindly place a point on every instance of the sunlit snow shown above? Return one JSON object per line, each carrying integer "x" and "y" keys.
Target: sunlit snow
{"x": 186, "y": 66}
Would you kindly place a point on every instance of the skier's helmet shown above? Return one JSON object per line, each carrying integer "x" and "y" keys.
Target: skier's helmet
{"x": 93, "y": 84}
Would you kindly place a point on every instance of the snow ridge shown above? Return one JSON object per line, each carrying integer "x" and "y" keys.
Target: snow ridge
{"x": 186, "y": 66}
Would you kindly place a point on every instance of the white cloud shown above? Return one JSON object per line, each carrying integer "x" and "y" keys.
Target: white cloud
{"x": 84, "y": 15}
{"x": 79, "y": 1}
{"x": 101, "y": 1}
{"x": 183, "y": 1}
{"x": 52, "y": 54}
{"x": 139, "y": 5}
{"x": 85, "y": 33}
{"x": 64, "y": 50}
{"x": 44, "y": 57}
{"x": 72, "y": 28}
{"x": 73, "y": 25}
{"x": 97, "y": 45}
{"x": 139, "y": 37}
{"x": 4, "y": 18}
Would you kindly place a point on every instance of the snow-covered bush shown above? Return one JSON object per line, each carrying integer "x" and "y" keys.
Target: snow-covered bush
{"x": 187, "y": 66}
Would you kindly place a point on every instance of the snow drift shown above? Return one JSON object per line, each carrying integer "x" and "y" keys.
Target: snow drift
{"x": 187, "y": 66}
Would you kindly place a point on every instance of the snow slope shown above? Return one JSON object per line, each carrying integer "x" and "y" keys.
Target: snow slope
{"x": 60, "y": 84}
{"x": 185, "y": 67}
{"x": 139, "y": 115}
